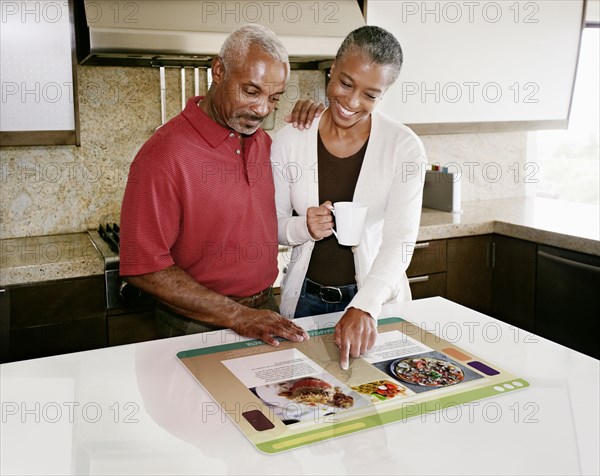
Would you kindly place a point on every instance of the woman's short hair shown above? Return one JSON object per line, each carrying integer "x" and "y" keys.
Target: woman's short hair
{"x": 235, "y": 48}
{"x": 376, "y": 43}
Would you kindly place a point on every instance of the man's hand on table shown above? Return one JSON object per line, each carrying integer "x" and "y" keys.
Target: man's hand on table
{"x": 355, "y": 334}
{"x": 304, "y": 113}
{"x": 267, "y": 325}
{"x": 184, "y": 295}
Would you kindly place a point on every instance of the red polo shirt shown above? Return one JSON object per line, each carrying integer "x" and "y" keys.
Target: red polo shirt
{"x": 194, "y": 200}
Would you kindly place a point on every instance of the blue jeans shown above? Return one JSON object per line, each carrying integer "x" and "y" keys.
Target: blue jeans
{"x": 311, "y": 304}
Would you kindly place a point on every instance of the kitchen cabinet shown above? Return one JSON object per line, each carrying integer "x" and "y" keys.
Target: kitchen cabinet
{"x": 567, "y": 307}
{"x": 549, "y": 291}
{"x": 427, "y": 270}
{"x": 513, "y": 281}
{"x": 39, "y": 80}
{"x": 469, "y": 272}
{"x": 494, "y": 274}
{"x": 55, "y": 317}
{"x": 4, "y": 324}
{"x": 481, "y": 66}
{"x": 130, "y": 327}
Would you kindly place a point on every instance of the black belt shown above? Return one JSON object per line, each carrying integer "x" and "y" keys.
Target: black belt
{"x": 330, "y": 294}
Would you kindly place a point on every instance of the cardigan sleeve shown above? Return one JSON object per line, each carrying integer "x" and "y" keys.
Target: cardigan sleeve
{"x": 384, "y": 280}
{"x": 291, "y": 230}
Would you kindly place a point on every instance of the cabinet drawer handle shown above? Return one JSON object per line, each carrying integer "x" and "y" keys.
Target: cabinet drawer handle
{"x": 419, "y": 246}
{"x": 418, "y": 279}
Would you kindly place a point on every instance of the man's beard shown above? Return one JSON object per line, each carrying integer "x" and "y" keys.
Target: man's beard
{"x": 236, "y": 123}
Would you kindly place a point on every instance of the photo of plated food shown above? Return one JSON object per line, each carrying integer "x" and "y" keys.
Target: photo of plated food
{"x": 311, "y": 398}
{"x": 314, "y": 391}
{"x": 427, "y": 372}
{"x": 382, "y": 390}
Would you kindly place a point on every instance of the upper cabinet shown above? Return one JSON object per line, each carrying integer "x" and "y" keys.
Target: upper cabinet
{"x": 39, "y": 88}
{"x": 482, "y": 66}
{"x": 592, "y": 12}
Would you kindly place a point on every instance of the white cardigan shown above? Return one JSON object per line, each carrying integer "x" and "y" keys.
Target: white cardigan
{"x": 390, "y": 184}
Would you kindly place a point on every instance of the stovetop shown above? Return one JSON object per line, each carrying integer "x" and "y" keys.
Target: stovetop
{"x": 110, "y": 234}
{"x": 121, "y": 297}
{"x": 106, "y": 241}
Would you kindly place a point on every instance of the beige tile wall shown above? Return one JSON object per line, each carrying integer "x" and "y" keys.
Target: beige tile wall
{"x": 51, "y": 190}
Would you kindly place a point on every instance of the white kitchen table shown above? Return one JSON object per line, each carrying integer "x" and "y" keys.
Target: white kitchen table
{"x": 135, "y": 409}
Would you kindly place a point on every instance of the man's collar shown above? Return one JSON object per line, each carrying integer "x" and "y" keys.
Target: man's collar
{"x": 211, "y": 131}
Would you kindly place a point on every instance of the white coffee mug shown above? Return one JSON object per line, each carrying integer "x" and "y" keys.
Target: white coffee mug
{"x": 350, "y": 220}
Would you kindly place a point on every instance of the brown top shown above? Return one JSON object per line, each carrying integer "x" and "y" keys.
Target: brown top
{"x": 332, "y": 264}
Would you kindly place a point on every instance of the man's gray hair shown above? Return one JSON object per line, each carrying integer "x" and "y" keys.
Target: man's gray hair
{"x": 377, "y": 44}
{"x": 235, "y": 48}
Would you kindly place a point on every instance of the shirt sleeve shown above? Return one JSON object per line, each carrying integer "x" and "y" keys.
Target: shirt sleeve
{"x": 150, "y": 215}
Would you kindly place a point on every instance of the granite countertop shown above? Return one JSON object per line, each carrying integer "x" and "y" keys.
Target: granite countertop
{"x": 47, "y": 258}
{"x": 562, "y": 224}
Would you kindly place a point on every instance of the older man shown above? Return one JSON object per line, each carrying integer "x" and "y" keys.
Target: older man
{"x": 198, "y": 221}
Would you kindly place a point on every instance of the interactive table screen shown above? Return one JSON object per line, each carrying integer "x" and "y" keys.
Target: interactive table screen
{"x": 296, "y": 394}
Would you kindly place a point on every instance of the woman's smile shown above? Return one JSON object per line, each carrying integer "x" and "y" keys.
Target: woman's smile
{"x": 343, "y": 111}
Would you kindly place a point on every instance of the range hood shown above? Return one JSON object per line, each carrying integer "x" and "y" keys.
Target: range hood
{"x": 191, "y": 32}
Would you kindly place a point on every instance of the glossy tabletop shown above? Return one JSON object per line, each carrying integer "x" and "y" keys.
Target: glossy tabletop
{"x": 136, "y": 410}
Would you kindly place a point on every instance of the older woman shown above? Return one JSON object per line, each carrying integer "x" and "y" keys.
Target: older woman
{"x": 352, "y": 153}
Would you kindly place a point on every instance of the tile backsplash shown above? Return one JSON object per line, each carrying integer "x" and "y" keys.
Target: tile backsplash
{"x": 492, "y": 165}
{"x": 63, "y": 189}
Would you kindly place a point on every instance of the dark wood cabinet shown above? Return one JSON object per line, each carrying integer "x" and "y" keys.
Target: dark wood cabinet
{"x": 55, "y": 317}
{"x": 494, "y": 274}
{"x": 132, "y": 327}
{"x": 551, "y": 292}
{"x": 513, "y": 282}
{"x": 4, "y": 324}
{"x": 427, "y": 270}
{"x": 430, "y": 285}
{"x": 469, "y": 272}
{"x": 59, "y": 338}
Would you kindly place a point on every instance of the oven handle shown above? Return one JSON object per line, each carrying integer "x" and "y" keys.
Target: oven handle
{"x": 129, "y": 292}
